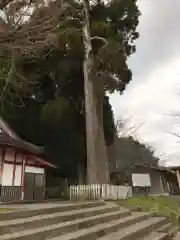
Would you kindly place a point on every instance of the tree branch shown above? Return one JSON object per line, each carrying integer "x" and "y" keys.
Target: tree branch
{"x": 102, "y": 39}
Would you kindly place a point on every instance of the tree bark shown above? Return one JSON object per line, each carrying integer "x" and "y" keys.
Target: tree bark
{"x": 103, "y": 168}
{"x": 97, "y": 166}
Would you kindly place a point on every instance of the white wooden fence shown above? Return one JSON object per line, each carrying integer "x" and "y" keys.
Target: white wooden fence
{"x": 98, "y": 191}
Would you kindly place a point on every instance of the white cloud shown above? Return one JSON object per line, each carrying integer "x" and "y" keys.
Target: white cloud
{"x": 154, "y": 90}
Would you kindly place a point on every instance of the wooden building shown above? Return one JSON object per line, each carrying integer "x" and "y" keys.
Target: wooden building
{"x": 163, "y": 181}
{"x": 176, "y": 170}
{"x": 22, "y": 167}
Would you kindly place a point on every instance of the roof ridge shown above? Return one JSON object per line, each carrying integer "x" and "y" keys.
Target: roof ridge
{"x": 7, "y": 129}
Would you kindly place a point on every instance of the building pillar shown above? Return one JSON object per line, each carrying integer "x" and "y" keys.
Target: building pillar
{"x": 14, "y": 168}
{"x": 178, "y": 177}
{"x": 22, "y": 178}
{"x": 2, "y": 159}
{"x": 163, "y": 190}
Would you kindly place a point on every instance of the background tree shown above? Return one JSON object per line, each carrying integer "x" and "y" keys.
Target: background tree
{"x": 54, "y": 117}
{"x": 132, "y": 152}
{"x": 115, "y": 22}
{"x": 125, "y": 127}
{"x": 126, "y": 150}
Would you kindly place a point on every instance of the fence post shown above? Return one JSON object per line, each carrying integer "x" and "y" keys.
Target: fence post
{"x": 98, "y": 191}
{"x": 102, "y": 190}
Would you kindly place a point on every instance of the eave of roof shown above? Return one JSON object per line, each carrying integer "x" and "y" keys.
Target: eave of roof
{"x": 174, "y": 167}
{"x": 146, "y": 166}
{"x": 19, "y": 143}
{"x": 46, "y": 163}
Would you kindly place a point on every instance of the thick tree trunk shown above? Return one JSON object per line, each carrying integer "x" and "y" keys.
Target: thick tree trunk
{"x": 91, "y": 131}
{"x": 102, "y": 163}
{"x": 97, "y": 168}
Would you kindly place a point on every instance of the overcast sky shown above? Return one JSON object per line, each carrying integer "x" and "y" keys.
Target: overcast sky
{"x": 155, "y": 89}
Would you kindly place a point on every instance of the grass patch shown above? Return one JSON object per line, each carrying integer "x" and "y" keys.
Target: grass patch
{"x": 163, "y": 206}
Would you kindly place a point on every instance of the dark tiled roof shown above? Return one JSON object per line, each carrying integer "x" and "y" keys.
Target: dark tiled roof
{"x": 159, "y": 168}
{"x": 21, "y": 144}
{"x": 174, "y": 167}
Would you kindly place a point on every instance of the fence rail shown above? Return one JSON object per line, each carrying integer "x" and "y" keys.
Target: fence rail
{"x": 100, "y": 191}
{"x": 10, "y": 193}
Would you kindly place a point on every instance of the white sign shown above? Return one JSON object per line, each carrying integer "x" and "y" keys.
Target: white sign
{"x": 141, "y": 180}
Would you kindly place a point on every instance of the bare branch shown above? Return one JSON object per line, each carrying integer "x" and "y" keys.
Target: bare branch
{"x": 175, "y": 128}
{"x": 102, "y": 39}
{"x": 31, "y": 34}
{"x": 175, "y": 114}
{"x": 175, "y": 134}
{"x": 125, "y": 128}
{"x": 26, "y": 26}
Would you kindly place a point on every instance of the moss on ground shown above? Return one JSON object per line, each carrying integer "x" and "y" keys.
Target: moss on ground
{"x": 164, "y": 206}
{"x": 2, "y": 210}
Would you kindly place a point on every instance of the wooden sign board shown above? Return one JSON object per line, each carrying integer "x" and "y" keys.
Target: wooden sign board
{"x": 141, "y": 180}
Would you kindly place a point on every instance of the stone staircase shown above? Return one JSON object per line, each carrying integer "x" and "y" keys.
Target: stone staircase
{"x": 83, "y": 221}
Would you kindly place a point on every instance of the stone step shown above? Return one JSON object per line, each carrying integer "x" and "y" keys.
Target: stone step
{"x": 155, "y": 236}
{"x": 173, "y": 231}
{"x": 62, "y": 228}
{"x": 177, "y": 236}
{"x": 169, "y": 228}
{"x": 166, "y": 232}
{"x": 46, "y": 208}
{"x": 103, "y": 229}
{"x": 138, "y": 230}
{"x": 165, "y": 228}
{"x": 96, "y": 214}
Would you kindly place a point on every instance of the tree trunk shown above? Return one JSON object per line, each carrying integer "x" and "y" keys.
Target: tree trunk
{"x": 103, "y": 168}
{"x": 97, "y": 168}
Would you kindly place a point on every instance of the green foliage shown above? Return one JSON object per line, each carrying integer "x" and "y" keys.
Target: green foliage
{"x": 56, "y": 111}
{"x": 164, "y": 206}
{"x": 116, "y": 22}
{"x": 108, "y": 121}
{"x": 57, "y": 124}
{"x": 54, "y": 116}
